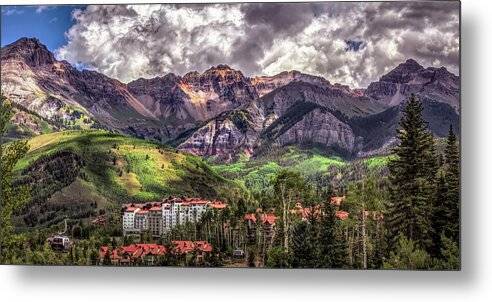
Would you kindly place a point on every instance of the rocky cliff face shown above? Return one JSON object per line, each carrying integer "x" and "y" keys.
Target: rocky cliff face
{"x": 29, "y": 51}
{"x": 410, "y": 77}
{"x": 331, "y": 117}
{"x": 298, "y": 113}
{"x": 220, "y": 113}
{"x": 266, "y": 84}
{"x": 57, "y": 91}
{"x": 223, "y": 138}
{"x": 194, "y": 97}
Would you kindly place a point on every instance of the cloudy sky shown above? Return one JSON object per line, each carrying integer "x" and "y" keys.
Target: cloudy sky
{"x": 349, "y": 43}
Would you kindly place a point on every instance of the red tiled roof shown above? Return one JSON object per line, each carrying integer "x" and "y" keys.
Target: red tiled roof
{"x": 268, "y": 218}
{"x": 183, "y": 246}
{"x": 217, "y": 205}
{"x": 337, "y": 200}
{"x": 152, "y": 248}
{"x": 186, "y": 246}
{"x": 155, "y": 208}
{"x": 342, "y": 215}
{"x": 204, "y": 246}
{"x": 133, "y": 251}
{"x": 100, "y": 220}
{"x": 185, "y": 201}
{"x": 250, "y": 216}
{"x": 102, "y": 251}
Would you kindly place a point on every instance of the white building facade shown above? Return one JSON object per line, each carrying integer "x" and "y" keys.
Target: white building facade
{"x": 160, "y": 218}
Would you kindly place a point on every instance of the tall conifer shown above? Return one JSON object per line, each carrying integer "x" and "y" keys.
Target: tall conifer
{"x": 11, "y": 197}
{"x": 452, "y": 167}
{"x": 412, "y": 175}
{"x": 439, "y": 219}
{"x": 332, "y": 249}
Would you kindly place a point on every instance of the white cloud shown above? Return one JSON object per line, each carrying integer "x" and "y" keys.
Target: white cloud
{"x": 149, "y": 40}
{"x": 11, "y": 11}
{"x": 41, "y": 8}
{"x": 128, "y": 42}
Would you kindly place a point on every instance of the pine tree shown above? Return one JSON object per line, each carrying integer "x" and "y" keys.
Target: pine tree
{"x": 299, "y": 245}
{"x": 412, "y": 175}
{"x": 452, "y": 201}
{"x": 450, "y": 255}
{"x": 303, "y": 245}
{"x": 445, "y": 220}
{"x": 407, "y": 256}
{"x": 11, "y": 197}
{"x": 332, "y": 248}
{"x": 439, "y": 220}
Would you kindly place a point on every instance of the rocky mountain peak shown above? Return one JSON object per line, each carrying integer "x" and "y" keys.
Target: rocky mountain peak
{"x": 222, "y": 66}
{"x": 191, "y": 74}
{"x": 266, "y": 84}
{"x": 403, "y": 72}
{"x": 29, "y": 50}
{"x": 410, "y": 77}
{"x": 224, "y": 72}
{"x": 442, "y": 73}
{"x": 412, "y": 63}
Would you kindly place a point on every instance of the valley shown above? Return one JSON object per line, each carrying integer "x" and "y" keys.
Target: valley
{"x": 219, "y": 168}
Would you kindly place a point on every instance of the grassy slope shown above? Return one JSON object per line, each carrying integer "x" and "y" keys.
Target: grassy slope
{"x": 121, "y": 168}
{"x": 377, "y": 161}
{"x": 257, "y": 173}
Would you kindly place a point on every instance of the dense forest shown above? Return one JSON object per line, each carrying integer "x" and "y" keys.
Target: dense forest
{"x": 403, "y": 214}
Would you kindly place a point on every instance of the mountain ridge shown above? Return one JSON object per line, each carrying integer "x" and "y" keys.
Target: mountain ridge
{"x": 221, "y": 113}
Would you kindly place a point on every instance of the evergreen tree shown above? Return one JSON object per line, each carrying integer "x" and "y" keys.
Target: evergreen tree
{"x": 11, "y": 196}
{"x": 452, "y": 201}
{"x": 332, "y": 247}
{"x": 407, "y": 256}
{"x": 450, "y": 255}
{"x": 277, "y": 258}
{"x": 303, "y": 247}
{"x": 412, "y": 175}
{"x": 445, "y": 220}
{"x": 439, "y": 219}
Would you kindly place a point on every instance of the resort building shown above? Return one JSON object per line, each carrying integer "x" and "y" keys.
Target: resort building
{"x": 160, "y": 217}
{"x": 267, "y": 221}
{"x": 140, "y": 253}
{"x": 306, "y": 213}
{"x": 200, "y": 249}
{"x": 148, "y": 253}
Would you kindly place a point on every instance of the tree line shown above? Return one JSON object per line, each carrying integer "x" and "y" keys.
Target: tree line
{"x": 405, "y": 216}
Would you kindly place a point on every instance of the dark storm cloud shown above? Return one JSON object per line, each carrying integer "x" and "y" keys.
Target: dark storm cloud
{"x": 352, "y": 43}
{"x": 288, "y": 18}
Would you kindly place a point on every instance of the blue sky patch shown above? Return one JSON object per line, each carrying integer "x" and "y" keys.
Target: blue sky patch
{"x": 47, "y": 23}
{"x": 354, "y": 45}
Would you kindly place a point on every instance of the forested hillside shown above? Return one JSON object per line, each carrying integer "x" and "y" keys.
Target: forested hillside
{"x": 75, "y": 173}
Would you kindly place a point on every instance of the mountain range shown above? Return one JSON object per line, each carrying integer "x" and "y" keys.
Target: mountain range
{"x": 221, "y": 113}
